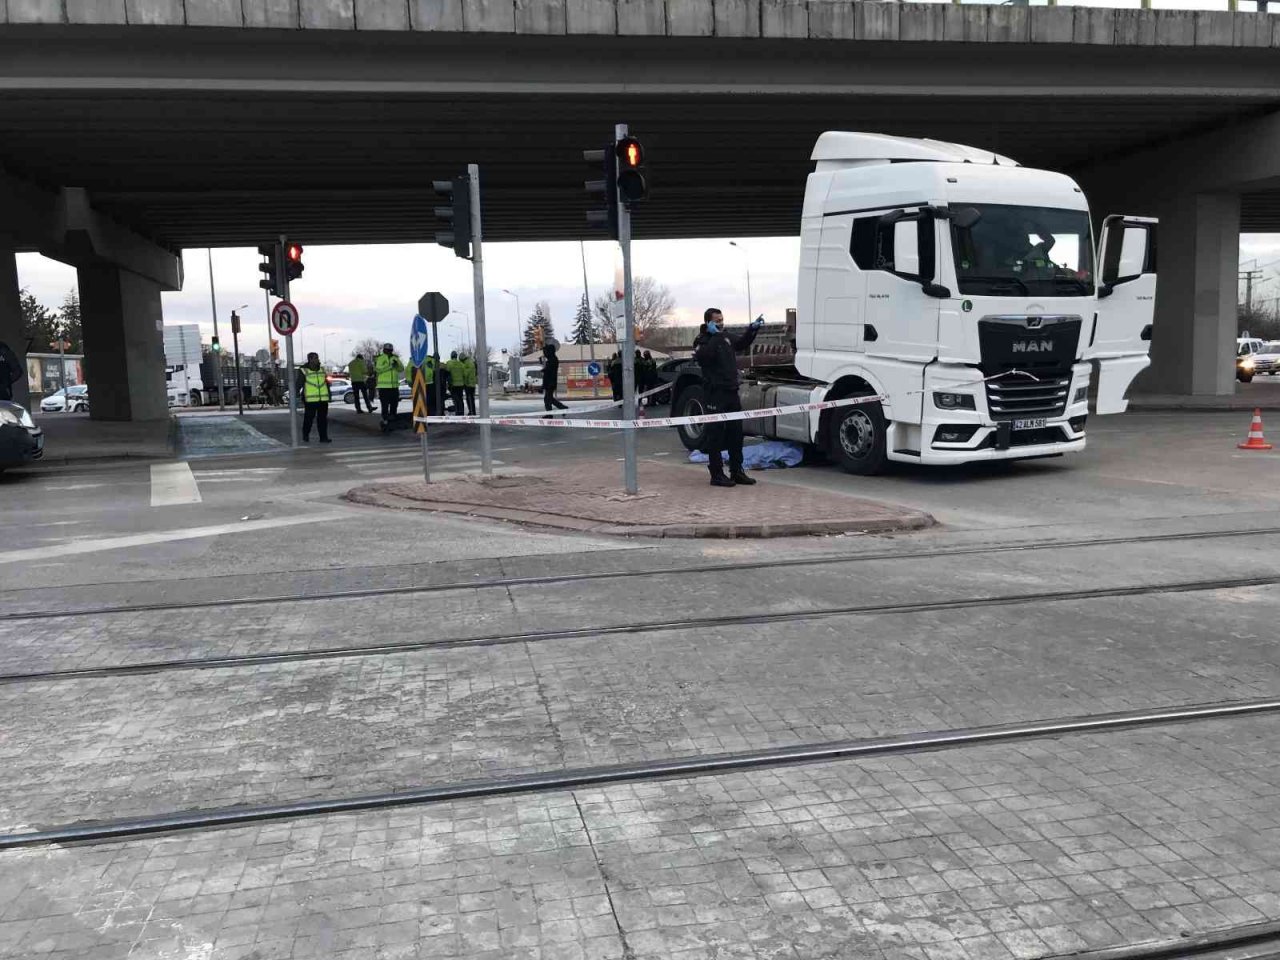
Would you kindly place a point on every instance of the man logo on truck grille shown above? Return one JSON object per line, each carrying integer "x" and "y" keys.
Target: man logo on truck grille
{"x": 1032, "y": 346}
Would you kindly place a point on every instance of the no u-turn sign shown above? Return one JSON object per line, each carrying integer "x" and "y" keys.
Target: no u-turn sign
{"x": 284, "y": 317}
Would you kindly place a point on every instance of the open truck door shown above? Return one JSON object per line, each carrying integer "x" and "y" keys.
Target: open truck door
{"x": 1120, "y": 341}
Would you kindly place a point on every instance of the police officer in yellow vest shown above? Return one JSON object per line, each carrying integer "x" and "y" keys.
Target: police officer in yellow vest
{"x": 456, "y": 374}
{"x": 388, "y": 369}
{"x": 313, "y": 382}
{"x": 469, "y": 382}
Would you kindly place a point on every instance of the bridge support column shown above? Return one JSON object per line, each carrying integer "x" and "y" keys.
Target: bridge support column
{"x": 11, "y": 319}
{"x": 1193, "y": 344}
{"x": 123, "y": 344}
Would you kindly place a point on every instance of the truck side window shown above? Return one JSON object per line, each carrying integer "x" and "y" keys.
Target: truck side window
{"x": 893, "y": 247}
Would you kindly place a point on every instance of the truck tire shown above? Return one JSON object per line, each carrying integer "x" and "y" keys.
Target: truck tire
{"x": 690, "y": 403}
{"x": 857, "y": 439}
{"x": 1244, "y": 377}
{"x": 194, "y": 398}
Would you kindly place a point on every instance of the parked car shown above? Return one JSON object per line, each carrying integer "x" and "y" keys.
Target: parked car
{"x": 74, "y": 399}
{"x": 21, "y": 441}
{"x": 1246, "y": 349}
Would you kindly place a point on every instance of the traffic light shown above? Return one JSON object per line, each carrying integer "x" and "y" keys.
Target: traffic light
{"x": 293, "y": 261}
{"x": 457, "y": 216}
{"x": 275, "y": 349}
{"x": 235, "y": 322}
{"x": 632, "y": 186}
{"x": 216, "y": 347}
{"x": 273, "y": 283}
{"x": 604, "y": 192}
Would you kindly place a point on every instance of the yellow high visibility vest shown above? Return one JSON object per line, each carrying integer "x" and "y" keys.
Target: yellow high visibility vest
{"x": 315, "y": 386}
{"x": 388, "y": 369}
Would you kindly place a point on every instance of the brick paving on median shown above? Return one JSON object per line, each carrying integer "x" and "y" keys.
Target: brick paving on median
{"x": 674, "y": 501}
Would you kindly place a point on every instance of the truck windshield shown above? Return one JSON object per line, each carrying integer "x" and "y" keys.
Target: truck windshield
{"x": 1028, "y": 251}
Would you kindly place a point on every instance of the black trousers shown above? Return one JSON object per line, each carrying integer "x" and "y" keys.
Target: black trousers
{"x": 471, "y": 400}
{"x": 456, "y": 393}
{"x": 723, "y": 436}
{"x": 360, "y": 388}
{"x": 317, "y": 413}
{"x": 389, "y": 397}
{"x": 549, "y": 399}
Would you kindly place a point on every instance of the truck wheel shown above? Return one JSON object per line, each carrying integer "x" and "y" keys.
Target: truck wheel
{"x": 690, "y": 403}
{"x": 194, "y": 398}
{"x": 857, "y": 439}
{"x": 1244, "y": 377}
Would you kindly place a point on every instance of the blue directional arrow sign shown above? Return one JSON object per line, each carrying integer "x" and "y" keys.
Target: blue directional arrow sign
{"x": 593, "y": 369}
{"x": 418, "y": 341}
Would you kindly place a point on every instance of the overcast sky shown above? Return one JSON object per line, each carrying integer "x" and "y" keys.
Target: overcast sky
{"x": 349, "y": 293}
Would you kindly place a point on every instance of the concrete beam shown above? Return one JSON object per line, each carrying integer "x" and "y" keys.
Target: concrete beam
{"x": 64, "y": 226}
{"x": 436, "y": 15}
{"x": 271, "y": 13}
{"x": 327, "y": 14}
{"x": 1236, "y": 158}
{"x": 155, "y": 13}
{"x": 123, "y": 344}
{"x": 592, "y": 17}
{"x": 380, "y": 15}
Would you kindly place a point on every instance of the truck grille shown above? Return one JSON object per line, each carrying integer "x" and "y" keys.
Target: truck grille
{"x": 1017, "y": 395}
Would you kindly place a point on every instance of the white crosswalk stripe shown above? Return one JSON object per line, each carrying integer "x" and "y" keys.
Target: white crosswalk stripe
{"x": 409, "y": 463}
{"x": 240, "y": 475}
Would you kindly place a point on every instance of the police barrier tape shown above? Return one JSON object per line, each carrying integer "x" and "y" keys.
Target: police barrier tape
{"x": 543, "y": 421}
{"x": 597, "y": 407}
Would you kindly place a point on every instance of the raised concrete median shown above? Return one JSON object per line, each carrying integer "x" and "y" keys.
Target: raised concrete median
{"x": 674, "y": 501}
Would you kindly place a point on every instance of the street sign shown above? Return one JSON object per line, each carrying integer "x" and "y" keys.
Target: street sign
{"x": 284, "y": 317}
{"x": 593, "y": 369}
{"x": 419, "y": 400}
{"x": 433, "y": 307}
{"x": 418, "y": 340}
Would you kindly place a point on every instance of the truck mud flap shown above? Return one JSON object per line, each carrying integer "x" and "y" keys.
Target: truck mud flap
{"x": 1114, "y": 377}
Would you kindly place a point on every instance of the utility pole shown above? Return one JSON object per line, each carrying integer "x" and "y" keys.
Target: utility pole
{"x": 235, "y": 347}
{"x": 1248, "y": 276}
{"x": 217, "y": 354}
{"x": 289, "y": 373}
{"x": 631, "y": 482}
{"x": 482, "y": 343}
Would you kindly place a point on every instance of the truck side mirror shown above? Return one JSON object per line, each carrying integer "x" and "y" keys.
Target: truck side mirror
{"x": 928, "y": 252}
{"x": 966, "y": 217}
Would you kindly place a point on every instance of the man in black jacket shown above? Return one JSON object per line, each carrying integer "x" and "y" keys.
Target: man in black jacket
{"x": 717, "y": 355}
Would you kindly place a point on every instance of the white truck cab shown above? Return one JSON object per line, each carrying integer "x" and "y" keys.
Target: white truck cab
{"x": 965, "y": 290}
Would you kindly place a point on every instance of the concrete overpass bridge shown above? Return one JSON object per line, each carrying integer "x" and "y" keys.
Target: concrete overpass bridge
{"x": 130, "y": 129}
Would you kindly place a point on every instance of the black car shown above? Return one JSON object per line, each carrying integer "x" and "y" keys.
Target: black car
{"x": 21, "y": 441}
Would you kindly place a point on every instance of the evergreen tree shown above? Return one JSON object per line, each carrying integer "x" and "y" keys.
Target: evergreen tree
{"x": 69, "y": 321}
{"x": 584, "y": 328}
{"x": 541, "y": 317}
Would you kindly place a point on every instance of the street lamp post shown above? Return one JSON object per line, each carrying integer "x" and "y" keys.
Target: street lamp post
{"x": 513, "y": 368}
{"x": 324, "y": 344}
{"x": 746, "y": 260}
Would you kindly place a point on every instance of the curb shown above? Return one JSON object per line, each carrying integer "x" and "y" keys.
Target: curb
{"x": 913, "y": 520}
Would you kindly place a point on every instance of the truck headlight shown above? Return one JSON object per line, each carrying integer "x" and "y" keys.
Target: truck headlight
{"x": 954, "y": 401}
{"x": 1247, "y": 363}
{"x": 1082, "y": 394}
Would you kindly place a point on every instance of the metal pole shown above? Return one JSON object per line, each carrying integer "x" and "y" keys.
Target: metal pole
{"x": 271, "y": 334}
{"x": 289, "y": 372}
{"x": 482, "y": 343}
{"x": 437, "y": 382}
{"x": 586, "y": 296}
{"x": 628, "y": 345}
{"x": 62, "y": 367}
{"x": 213, "y": 301}
{"x": 235, "y": 346}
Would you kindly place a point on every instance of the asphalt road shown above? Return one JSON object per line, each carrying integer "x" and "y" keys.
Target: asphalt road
{"x": 231, "y": 634}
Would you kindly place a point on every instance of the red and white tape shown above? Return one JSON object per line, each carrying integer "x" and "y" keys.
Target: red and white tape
{"x": 544, "y": 421}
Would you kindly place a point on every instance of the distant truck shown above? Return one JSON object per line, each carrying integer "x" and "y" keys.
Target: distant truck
{"x": 963, "y": 289}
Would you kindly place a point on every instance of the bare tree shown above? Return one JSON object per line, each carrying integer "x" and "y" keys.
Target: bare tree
{"x": 367, "y": 348}
{"x": 653, "y": 304}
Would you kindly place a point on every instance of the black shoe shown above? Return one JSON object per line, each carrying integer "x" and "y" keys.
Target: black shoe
{"x": 721, "y": 481}
{"x": 327, "y": 440}
{"x": 742, "y": 478}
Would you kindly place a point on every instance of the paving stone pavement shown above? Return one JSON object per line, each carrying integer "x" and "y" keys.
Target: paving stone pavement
{"x": 324, "y": 624}
{"x": 160, "y": 742}
{"x": 1014, "y": 850}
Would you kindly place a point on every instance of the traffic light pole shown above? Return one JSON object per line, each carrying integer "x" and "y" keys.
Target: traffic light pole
{"x": 482, "y": 344}
{"x": 628, "y": 341}
{"x": 217, "y": 358}
{"x": 290, "y": 375}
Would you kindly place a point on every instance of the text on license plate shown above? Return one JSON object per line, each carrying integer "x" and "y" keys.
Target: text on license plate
{"x": 1035, "y": 424}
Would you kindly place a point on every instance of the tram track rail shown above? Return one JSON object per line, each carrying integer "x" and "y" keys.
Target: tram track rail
{"x": 103, "y": 831}
{"x": 1251, "y": 941}
{"x": 500, "y": 583}
{"x": 266, "y": 658}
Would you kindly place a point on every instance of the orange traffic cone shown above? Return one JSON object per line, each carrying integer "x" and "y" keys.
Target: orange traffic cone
{"x": 1256, "y": 440}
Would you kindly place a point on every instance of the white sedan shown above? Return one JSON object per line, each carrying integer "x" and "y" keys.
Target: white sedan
{"x": 73, "y": 399}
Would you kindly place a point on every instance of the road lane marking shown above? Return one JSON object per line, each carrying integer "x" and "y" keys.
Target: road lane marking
{"x": 173, "y": 484}
{"x": 160, "y": 536}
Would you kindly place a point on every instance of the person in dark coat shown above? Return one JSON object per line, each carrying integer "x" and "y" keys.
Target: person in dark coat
{"x": 10, "y": 371}
{"x": 615, "y": 375}
{"x": 551, "y": 378}
{"x": 717, "y": 356}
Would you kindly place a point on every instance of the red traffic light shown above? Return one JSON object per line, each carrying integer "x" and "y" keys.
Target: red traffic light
{"x": 294, "y": 252}
{"x": 630, "y": 153}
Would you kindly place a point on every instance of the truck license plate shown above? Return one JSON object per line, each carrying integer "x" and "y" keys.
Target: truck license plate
{"x": 1036, "y": 424}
